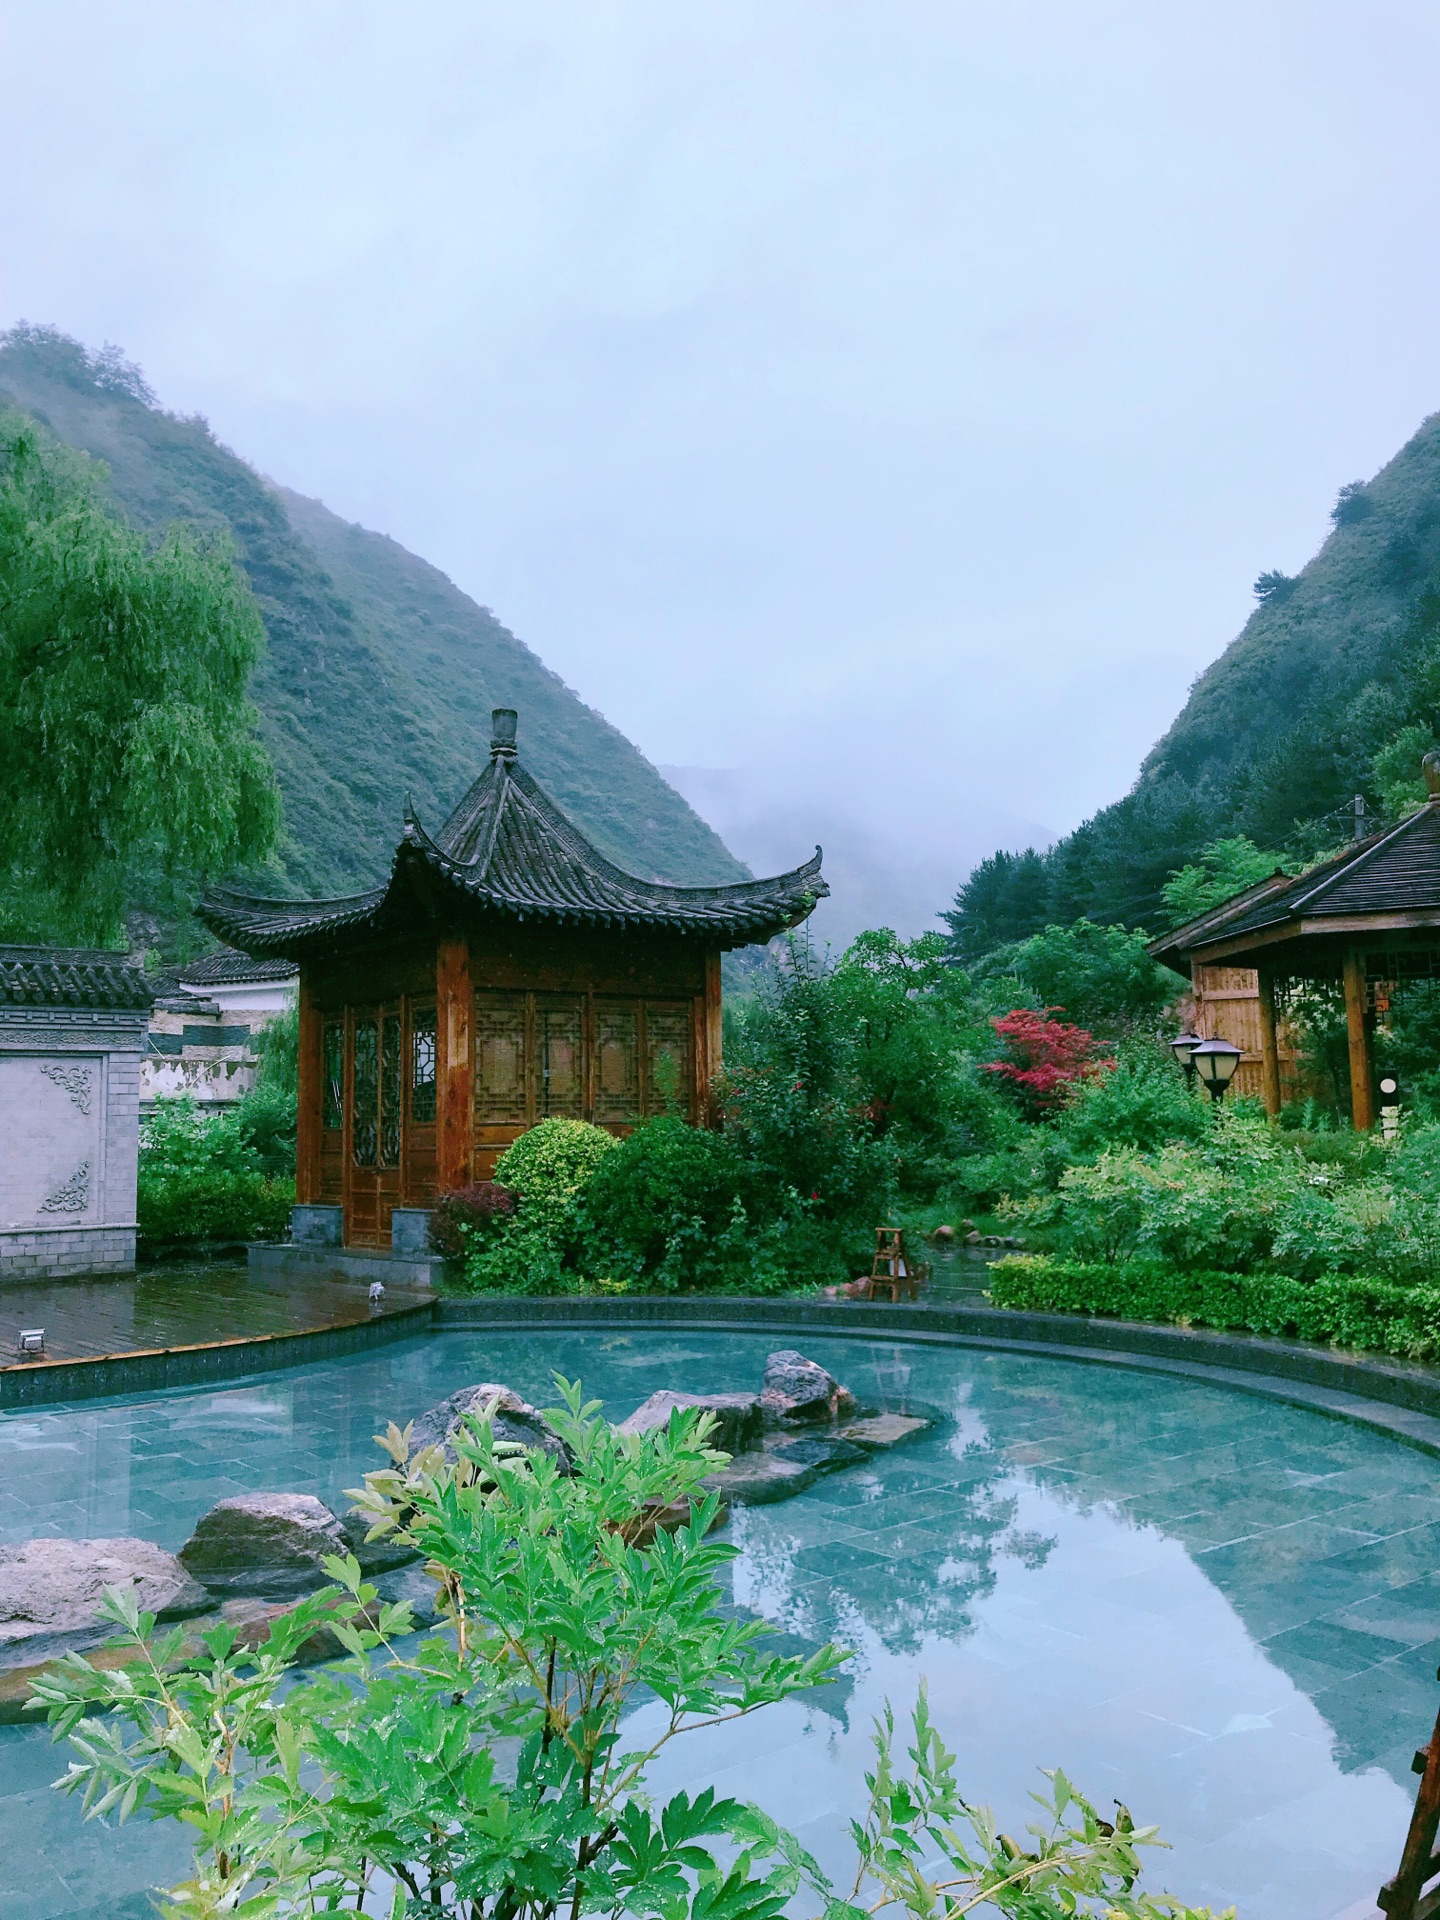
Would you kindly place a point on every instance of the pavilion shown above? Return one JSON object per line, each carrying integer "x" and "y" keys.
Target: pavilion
{"x": 1367, "y": 919}
{"x": 505, "y": 973}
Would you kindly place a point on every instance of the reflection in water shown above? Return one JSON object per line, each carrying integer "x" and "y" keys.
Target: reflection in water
{"x": 1219, "y": 1609}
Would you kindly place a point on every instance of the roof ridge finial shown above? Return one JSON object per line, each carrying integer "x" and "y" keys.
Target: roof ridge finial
{"x": 503, "y": 722}
{"x": 1430, "y": 767}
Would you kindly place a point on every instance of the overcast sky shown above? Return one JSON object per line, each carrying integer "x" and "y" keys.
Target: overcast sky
{"x": 892, "y": 403}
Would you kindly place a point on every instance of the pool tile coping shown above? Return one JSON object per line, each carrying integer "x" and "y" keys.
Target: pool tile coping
{"x": 1400, "y": 1399}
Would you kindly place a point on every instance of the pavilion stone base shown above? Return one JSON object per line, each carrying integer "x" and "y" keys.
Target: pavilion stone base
{"x": 269, "y": 1261}
{"x": 60, "y": 1253}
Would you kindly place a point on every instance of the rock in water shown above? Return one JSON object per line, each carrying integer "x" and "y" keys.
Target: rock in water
{"x": 514, "y": 1419}
{"x": 799, "y": 1389}
{"x": 264, "y": 1543}
{"x": 884, "y": 1429}
{"x": 56, "y": 1586}
{"x": 737, "y": 1417}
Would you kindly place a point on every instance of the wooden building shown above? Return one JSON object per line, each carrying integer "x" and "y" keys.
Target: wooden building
{"x": 505, "y": 973}
{"x": 1366, "y": 922}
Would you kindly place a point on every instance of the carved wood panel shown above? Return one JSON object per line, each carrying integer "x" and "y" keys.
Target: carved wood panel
{"x": 669, "y": 1075}
{"x": 559, "y": 1090}
{"x": 617, "y": 1061}
{"x": 501, "y": 1058}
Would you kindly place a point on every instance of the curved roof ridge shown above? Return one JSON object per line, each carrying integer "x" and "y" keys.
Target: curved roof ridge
{"x": 510, "y": 849}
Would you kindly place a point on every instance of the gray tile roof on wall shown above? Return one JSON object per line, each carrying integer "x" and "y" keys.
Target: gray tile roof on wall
{"x": 507, "y": 849}
{"x": 226, "y": 967}
{"x": 70, "y": 977}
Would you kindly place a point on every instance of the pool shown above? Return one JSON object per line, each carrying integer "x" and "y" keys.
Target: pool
{"x": 1220, "y": 1609}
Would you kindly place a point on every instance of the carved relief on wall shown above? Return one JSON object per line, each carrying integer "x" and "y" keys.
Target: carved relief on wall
{"x": 73, "y": 1195}
{"x": 52, "y": 1161}
{"x": 75, "y": 1081}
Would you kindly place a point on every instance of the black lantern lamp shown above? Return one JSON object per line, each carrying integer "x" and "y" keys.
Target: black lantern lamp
{"x": 1215, "y": 1062}
{"x": 1183, "y": 1047}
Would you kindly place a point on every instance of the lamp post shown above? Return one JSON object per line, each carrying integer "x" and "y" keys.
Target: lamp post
{"x": 1183, "y": 1047}
{"x": 1215, "y": 1061}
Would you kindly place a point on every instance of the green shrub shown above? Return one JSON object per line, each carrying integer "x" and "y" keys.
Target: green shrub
{"x": 1141, "y": 1102}
{"x": 549, "y": 1164}
{"x": 666, "y": 1176}
{"x": 1351, "y": 1311}
{"x": 208, "y": 1206}
{"x": 1216, "y": 1202}
{"x": 547, "y": 1167}
{"x": 203, "y": 1179}
{"x": 676, "y": 1207}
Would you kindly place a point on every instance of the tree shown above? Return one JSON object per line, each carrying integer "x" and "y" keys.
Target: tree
{"x": 1352, "y": 503}
{"x": 1224, "y": 868}
{"x": 127, "y": 742}
{"x": 1098, "y": 974}
{"x": 1274, "y": 587}
{"x": 1005, "y": 898}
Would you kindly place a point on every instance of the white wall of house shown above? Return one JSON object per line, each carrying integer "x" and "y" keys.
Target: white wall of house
{"x": 200, "y": 1040}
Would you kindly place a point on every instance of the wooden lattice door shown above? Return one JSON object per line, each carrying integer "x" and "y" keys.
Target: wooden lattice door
{"x": 385, "y": 1097}
{"x": 374, "y": 1130}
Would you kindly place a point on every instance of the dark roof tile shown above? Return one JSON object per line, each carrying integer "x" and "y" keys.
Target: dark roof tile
{"x": 509, "y": 850}
{"x": 70, "y": 977}
{"x": 227, "y": 967}
{"x": 1396, "y": 871}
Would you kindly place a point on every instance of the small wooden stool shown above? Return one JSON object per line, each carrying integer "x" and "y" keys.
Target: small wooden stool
{"x": 892, "y": 1268}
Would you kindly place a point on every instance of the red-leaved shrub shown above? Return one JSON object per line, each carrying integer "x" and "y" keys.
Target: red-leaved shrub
{"x": 465, "y": 1211}
{"x": 1049, "y": 1056}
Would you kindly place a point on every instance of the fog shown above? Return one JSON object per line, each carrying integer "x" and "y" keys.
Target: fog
{"x": 880, "y": 412}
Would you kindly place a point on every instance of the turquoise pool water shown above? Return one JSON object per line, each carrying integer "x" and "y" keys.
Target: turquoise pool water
{"x": 1224, "y": 1611}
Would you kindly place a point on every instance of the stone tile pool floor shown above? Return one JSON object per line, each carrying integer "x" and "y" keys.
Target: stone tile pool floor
{"x": 1222, "y": 1610}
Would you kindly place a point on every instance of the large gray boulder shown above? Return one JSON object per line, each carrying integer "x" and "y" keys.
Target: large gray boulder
{"x": 514, "y": 1419}
{"x": 738, "y": 1417}
{"x": 799, "y": 1389}
{"x": 55, "y": 1587}
{"x": 274, "y": 1544}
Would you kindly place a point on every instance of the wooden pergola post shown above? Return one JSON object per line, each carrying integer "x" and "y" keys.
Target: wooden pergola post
{"x": 1269, "y": 1046}
{"x": 1362, "y": 1095}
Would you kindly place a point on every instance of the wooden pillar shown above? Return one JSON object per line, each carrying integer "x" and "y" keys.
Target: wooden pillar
{"x": 309, "y": 1095}
{"x": 1269, "y": 1047}
{"x": 454, "y": 1067}
{"x": 1362, "y": 1095}
{"x": 714, "y": 1029}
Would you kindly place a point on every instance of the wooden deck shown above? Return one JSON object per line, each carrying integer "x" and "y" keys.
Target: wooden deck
{"x": 177, "y": 1309}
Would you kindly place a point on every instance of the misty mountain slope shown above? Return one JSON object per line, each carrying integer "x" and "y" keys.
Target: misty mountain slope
{"x": 380, "y": 674}
{"x": 1342, "y": 624}
{"x": 1331, "y": 689}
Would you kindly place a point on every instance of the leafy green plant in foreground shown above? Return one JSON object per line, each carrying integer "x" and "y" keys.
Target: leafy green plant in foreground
{"x": 484, "y": 1771}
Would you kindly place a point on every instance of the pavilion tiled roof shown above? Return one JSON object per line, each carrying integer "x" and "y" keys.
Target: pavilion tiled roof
{"x": 70, "y": 977}
{"x": 1390, "y": 879}
{"x": 508, "y": 850}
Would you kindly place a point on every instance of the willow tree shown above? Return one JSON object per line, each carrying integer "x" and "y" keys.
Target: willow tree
{"x": 127, "y": 740}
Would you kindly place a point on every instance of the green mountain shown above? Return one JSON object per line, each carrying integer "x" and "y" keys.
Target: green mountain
{"x": 1332, "y": 689}
{"x": 380, "y": 674}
